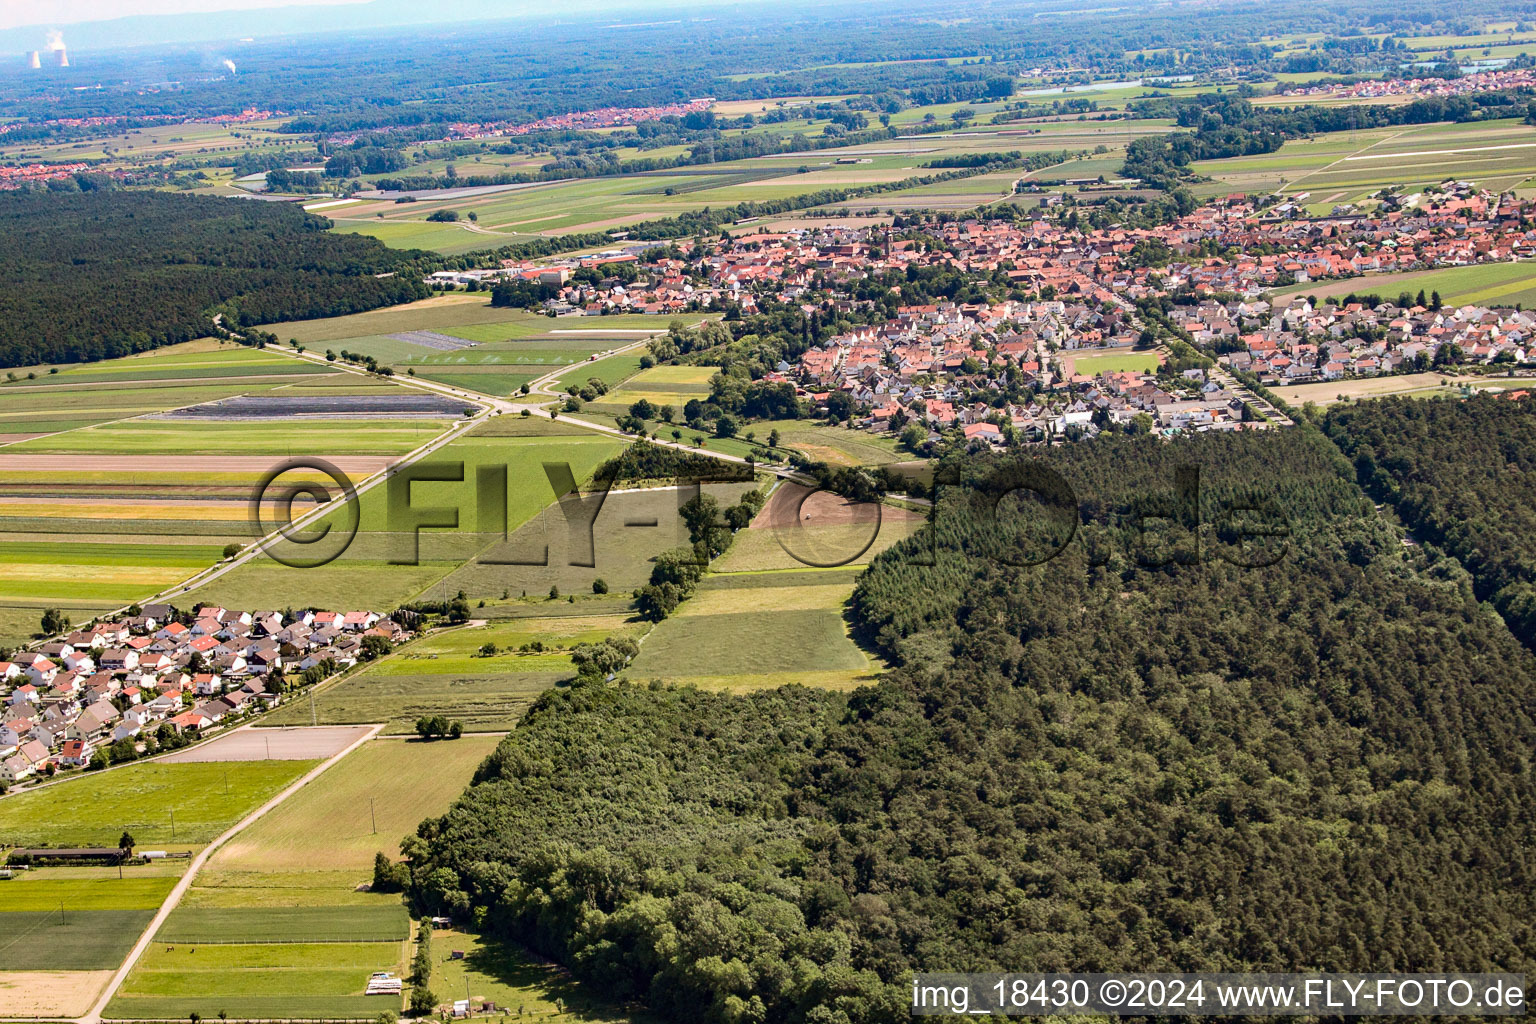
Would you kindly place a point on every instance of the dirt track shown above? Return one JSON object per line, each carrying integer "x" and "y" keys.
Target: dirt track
{"x": 298, "y": 744}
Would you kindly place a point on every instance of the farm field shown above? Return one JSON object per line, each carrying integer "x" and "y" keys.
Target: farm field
{"x": 44, "y": 890}
{"x": 50, "y": 994}
{"x": 570, "y": 550}
{"x": 166, "y": 139}
{"x": 452, "y": 313}
{"x": 290, "y": 980}
{"x": 270, "y": 745}
{"x": 139, "y": 385}
{"x": 516, "y": 981}
{"x": 461, "y": 340}
{"x": 277, "y": 438}
{"x": 526, "y": 426}
{"x": 837, "y": 445}
{"x": 1348, "y": 167}
{"x": 102, "y": 504}
{"x": 385, "y": 563}
{"x": 240, "y": 925}
{"x": 278, "y": 924}
{"x": 1419, "y": 384}
{"x": 329, "y": 823}
{"x": 611, "y": 370}
{"x": 578, "y": 205}
{"x": 494, "y": 699}
{"x": 68, "y": 924}
{"x": 445, "y": 673}
{"x": 192, "y": 360}
{"x": 1489, "y": 284}
{"x": 94, "y": 809}
{"x": 746, "y": 631}
{"x": 311, "y": 855}
{"x": 823, "y": 530}
{"x": 661, "y": 385}
{"x": 72, "y": 939}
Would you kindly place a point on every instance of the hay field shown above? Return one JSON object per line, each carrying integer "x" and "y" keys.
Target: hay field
{"x": 757, "y": 630}
{"x": 363, "y": 804}
{"x": 94, "y": 809}
{"x": 50, "y": 994}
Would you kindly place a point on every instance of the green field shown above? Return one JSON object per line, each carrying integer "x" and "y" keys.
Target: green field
{"x": 611, "y": 202}
{"x": 216, "y": 925}
{"x": 69, "y": 940}
{"x": 363, "y": 804}
{"x": 292, "y": 980}
{"x": 527, "y": 426}
{"x": 79, "y": 919}
{"x": 614, "y": 547}
{"x": 836, "y": 445}
{"x": 456, "y": 313}
{"x": 189, "y": 361}
{"x": 77, "y": 395}
{"x": 96, "y": 512}
{"x": 45, "y": 890}
{"x": 265, "y": 437}
{"x": 764, "y": 547}
{"x": 515, "y": 980}
{"x": 611, "y": 370}
{"x": 1348, "y": 167}
{"x": 94, "y": 809}
{"x": 443, "y": 673}
{"x": 384, "y": 566}
{"x": 490, "y": 700}
{"x": 1090, "y": 365}
{"x": 754, "y": 630}
{"x": 1489, "y": 284}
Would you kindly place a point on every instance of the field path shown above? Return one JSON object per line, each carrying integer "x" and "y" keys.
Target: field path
{"x": 172, "y": 900}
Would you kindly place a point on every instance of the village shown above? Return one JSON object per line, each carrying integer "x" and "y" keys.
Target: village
{"x": 114, "y": 690}
{"x": 1007, "y": 369}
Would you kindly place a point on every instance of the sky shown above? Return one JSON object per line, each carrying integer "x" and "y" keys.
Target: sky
{"x": 15, "y": 13}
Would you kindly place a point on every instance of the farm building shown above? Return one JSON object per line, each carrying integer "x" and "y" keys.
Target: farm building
{"x": 73, "y": 855}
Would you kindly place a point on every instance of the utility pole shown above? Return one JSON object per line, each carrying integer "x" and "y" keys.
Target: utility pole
{"x": 372, "y": 817}
{"x": 173, "y": 824}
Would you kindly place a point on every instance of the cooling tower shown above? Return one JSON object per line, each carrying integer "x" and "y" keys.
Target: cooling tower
{"x": 63, "y": 57}
{"x": 36, "y": 60}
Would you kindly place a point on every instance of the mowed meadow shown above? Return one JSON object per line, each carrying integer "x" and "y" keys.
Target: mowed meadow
{"x": 121, "y": 479}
